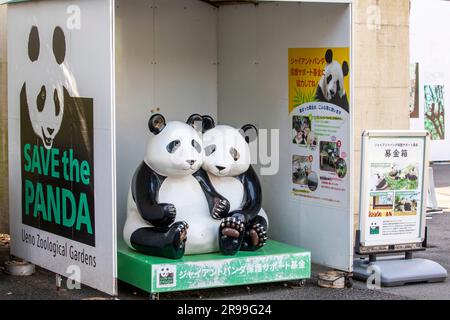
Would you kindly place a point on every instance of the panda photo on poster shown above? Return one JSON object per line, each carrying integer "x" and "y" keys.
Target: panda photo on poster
{"x": 319, "y": 111}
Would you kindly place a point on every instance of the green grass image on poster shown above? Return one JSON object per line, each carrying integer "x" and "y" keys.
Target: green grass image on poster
{"x": 434, "y": 111}
{"x": 302, "y": 98}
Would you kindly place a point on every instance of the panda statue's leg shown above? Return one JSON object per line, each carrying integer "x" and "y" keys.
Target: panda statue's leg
{"x": 161, "y": 242}
{"x": 255, "y": 236}
{"x": 231, "y": 234}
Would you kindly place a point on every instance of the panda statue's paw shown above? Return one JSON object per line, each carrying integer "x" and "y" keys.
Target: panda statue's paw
{"x": 221, "y": 208}
{"x": 255, "y": 238}
{"x": 231, "y": 234}
{"x": 177, "y": 235}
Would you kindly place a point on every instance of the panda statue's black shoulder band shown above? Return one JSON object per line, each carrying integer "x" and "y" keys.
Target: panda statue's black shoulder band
{"x": 145, "y": 190}
{"x": 252, "y": 194}
{"x": 210, "y": 193}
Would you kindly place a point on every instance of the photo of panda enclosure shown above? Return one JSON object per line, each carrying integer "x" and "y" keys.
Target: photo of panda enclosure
{"x": 392, "y": 177}
{"x": 301, "y": 168}
{"x": 406, "y": 204}
{"x": 329, "y": 155}
{"x": 341, "y": 168}
{"x": 381, "y": 204}
{"x": 302, "y": 132}
{"x": 434, "y": 111}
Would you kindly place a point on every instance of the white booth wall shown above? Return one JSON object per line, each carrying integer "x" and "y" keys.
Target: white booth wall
{"x": 166, "y": 54}
{"x": 253, "y": 87}
{"x": 185, "y": 56}
{"x": 429, "y": 47}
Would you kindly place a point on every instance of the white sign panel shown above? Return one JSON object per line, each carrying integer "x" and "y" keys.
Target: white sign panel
{"x": 60, "y": 90}
{"x": 394, "y": 170}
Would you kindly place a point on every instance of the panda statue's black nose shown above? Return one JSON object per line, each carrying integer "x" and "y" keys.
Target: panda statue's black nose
{"x": 191, "y": 162}
{"x": 220, "y": 168}
{"x": 50, "y": 130}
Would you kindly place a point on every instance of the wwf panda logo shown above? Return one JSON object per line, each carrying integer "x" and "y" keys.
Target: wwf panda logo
{"x": 45, "y": 98}
{"x": 331, "y": 87}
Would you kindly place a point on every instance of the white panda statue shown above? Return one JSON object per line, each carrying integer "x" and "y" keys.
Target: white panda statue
{"x": 228, "y": 164}
{"x": 331, "y": 86}
{"x": 169, "y": 194}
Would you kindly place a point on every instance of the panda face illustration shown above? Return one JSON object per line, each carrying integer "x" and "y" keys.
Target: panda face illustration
{"x": 227, "y": 153}
{"x": 175, "y": 149}
{"x": 333, "y": 77}
{"x": 165, "y": 272}
{"x": 45, "y": 88}
{"x": 331, "y": 85}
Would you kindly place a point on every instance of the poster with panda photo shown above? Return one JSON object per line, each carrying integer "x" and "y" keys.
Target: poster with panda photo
{"x": 319, "y": 111}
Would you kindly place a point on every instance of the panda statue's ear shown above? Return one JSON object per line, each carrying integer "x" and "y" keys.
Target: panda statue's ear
{"x": 196, "y": 122}
{"x": 345, "y": 68}
{"x": 157, "y": 123}
{"x": 208, "y": 123}
{"x": 249, "y": 132}
{"x": 329, "y": 56}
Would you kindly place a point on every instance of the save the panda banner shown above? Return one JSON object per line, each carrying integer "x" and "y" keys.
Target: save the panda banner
{"x": 393, "y": 205}
{"x": 319, "y": 116}
{"x": 60, "y": 127}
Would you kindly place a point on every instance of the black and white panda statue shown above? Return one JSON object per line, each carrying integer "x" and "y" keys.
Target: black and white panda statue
{"x": 331, "y": 86}
{"x": 169, "y": 194}
{"x": 228, "y": 164}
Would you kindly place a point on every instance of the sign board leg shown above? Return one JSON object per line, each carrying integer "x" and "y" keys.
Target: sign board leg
{"x": 58, "y": 282}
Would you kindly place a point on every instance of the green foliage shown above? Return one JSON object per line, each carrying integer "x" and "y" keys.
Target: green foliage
{"x": 304, "y": 97}
{"x": 434, "y": 111}
{"x": 402, "y": 183}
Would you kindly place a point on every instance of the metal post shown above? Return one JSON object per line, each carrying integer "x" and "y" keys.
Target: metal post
{"x": 58, "y": 282}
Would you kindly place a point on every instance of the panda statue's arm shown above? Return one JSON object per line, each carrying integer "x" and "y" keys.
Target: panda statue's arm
{"x": 145, "y": 190}
{"x": 218, "y": 205}
{"x": 252, "y": 203}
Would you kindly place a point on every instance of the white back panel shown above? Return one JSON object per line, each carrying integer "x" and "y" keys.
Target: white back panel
{"x": 253, "y": 88}
{"x": 166, "y": 54}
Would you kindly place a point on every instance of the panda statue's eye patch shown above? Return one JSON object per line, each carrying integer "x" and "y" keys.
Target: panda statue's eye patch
{"x": 235, "y": 154}
{"x": 40, "y": 101}
{"x": 173, "y": 146}
{"x": 197, "y": 146}
{"x": 209, "y": 150}
{"x": 329, "y": 78}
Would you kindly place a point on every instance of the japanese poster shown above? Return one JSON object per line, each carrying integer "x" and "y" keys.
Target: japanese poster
{"x": 319, "y": 111}
{"x": 434, "y": 111}
{"x": 393, "y": 196}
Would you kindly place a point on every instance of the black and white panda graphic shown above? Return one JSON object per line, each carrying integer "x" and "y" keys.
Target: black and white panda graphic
{"x": 45, "y": 99}
{"x": 331, "y": 86}
{"x": 169, "y": 194}
{"x": 53, "y": 117}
